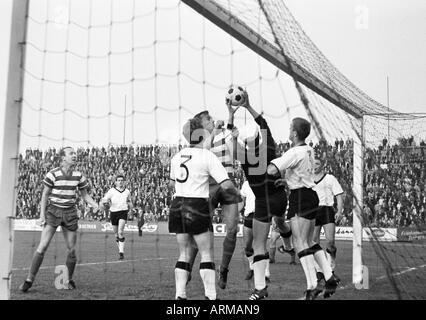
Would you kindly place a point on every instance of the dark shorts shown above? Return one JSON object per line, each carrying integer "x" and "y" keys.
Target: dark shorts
{"x": 274, "y": 205}
{"x": 304, "y": 203}
{"x": 66, "y": 218}
{"x": 218, "y": 195}
{"x": 190, "y": 215}
{"x": 325, "y": 215}
{"x": 117, "y": 215}
{"x": 248, "y": 221}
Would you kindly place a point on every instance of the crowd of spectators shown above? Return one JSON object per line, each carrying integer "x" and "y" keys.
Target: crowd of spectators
{"x": 146, "y": 169}
{"x": 394, "y": 179}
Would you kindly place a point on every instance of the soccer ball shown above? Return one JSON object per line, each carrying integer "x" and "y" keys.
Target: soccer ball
{"x": 235, "y": 94}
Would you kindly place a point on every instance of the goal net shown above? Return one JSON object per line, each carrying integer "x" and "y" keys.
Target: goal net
{"x": 118, "y": 79}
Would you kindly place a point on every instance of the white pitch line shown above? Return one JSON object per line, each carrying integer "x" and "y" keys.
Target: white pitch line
{"x": 385, "y": 276}
{"x": 404, "y": 271}
{"x": 96, "y": 263}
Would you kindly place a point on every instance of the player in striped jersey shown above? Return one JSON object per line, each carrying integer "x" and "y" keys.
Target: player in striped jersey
{"x": 119, "y": 202}
{"x": 220, "y": 142}
{"x": 190, "y": 216}
{"x": 327, "y": 187}
{"x": 298, "y": 165}
{"x": 58, "y": 208}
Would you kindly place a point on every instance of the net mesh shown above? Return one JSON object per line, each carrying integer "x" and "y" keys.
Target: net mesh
{"x": 394, "y": 197}
{"x": 117, "y": 80}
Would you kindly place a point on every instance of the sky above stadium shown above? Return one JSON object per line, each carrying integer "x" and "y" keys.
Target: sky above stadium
{"x": 367, "y": 41}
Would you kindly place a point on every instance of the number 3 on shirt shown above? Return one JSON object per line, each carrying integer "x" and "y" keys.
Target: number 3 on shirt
{"x": 182, "y": 165}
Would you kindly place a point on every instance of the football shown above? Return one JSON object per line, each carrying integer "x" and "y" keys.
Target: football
{"x": 235, "y": 95}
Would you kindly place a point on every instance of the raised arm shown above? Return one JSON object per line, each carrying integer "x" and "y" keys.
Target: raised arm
{"x": 231, "y": 114}
{"x": 262, "y": 124}
{"x": 248, "y": 106}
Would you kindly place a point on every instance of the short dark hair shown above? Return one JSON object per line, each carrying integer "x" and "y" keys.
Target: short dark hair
{"x": 302, "y": 128}
{"x": 199, "y": 115}
{"x": 62, "y": 151}
{"x": 119, "y": 176}
{"x": 191, "y": 126}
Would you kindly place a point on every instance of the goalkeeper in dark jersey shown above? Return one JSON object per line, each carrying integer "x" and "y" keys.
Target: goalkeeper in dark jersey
{"x": 255, "y": 150}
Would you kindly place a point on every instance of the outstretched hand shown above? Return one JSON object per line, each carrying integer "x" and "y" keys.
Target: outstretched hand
{"x": 246, "y": 103}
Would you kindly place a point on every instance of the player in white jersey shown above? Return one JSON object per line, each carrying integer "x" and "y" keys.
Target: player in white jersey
{"x": 327, "y": 187}
{"x": 119, "y": 202}
{"x": 220, "y": 142}
{"x": 298, "y": 165}
{"x": 190, "y": 218}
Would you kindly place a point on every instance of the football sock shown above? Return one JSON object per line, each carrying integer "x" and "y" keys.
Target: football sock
{"x": 272, "y": 251}
{"x": 117, "y": 240}
{"x": 70, "y": 263}
{"x": 307, "y": 261}
{"x": 321, "y": 259}
{"x": 259, "y": 268}
{"x": 121, "y": 242}
{"x": 249, "y": 255}
{"x": 267, "y": 272}
{"x": 35, "y": 265}
{"x": 208, "y": 275}
{"x": 181, "y": 277}
{"x": 229, "y": 244}
{"x": 317, "y": 266}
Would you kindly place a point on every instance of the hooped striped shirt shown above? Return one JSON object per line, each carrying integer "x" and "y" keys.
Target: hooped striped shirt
{"x": 221, "y": 146}
{"x": 64, "y": 187}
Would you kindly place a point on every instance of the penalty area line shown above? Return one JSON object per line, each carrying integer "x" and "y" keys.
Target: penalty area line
{"x": 402, "y": 272}
{"x": 396, "y": 274}
{"x": 97, "y": 263}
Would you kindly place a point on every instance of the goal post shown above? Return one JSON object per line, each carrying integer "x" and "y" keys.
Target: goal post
{"x": 358, "y": 168}
{"x": 13, "y": 25}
